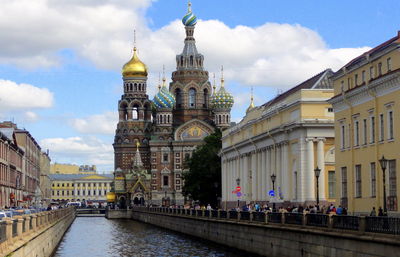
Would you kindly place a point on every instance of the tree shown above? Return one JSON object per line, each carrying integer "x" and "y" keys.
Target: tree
{"x": 203, "y": 178}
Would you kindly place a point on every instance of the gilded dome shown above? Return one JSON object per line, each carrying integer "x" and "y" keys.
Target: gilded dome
{"x": 164, "y": 98}
{"x": 135, "y": 67}
{"x": 222, "y": 99}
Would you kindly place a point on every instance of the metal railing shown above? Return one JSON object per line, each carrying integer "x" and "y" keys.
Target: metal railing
{"x": 385, "y": 225}
{"x": 345, "y": 222}
{"x": 14, "y": 228}
{"x": 3, "y": 236}
{"x": 317, "y": 220}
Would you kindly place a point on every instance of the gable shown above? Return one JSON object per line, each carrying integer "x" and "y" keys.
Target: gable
{"x": 194, "y": 130}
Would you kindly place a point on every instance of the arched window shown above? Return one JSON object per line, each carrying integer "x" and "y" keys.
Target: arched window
{"x": 181, "y": 60}
{"x": 169, "y": 119}
{"x": 205, "y": 97}
{"x": 192, "y": 97}
{"x": 135, "y": 86}
{"x": 219, "y": 119}
{"x": 161, "y": 119}
{"x": 191, "y": 60}
{"x": 178, "y": 97}
{"x": 135, "y": 112}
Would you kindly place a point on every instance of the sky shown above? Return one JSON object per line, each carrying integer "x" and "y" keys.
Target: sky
{"x": 60, "y": 60}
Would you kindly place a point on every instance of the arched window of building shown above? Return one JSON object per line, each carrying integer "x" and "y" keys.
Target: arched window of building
{"x": 192, "y": 97}
{"x": 181, "y": 60}
{"x": 205, "y": 97}
{"x": 161, "y": 119}
{"x": 219, "y": 119}
{"x": 178, "y": 97}
{"x": 135, "y": 112}
{"x": 169, "y": 119}
{"x": 135, "y": 87}
{"x": 191, "y": 60}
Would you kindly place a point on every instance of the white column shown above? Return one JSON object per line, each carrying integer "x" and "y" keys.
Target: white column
{"x": 223, "y": 179}
{"x": 254, "y": 179}
{"x": 259, "y": 175}
{"x": 309, "y": 185}
{"x": 244, "y": 181}
{"x": 75, "y": 192}
{"x": 285, "y": 172}
{"x": 321, "y": 165}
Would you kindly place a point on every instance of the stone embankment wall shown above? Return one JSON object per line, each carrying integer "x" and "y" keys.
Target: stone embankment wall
{"x": 36, "y": 235}
{"x": 118, "y": 214}
{"x": 276, "y": 239}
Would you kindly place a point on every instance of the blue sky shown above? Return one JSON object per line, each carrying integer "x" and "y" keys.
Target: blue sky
{"x": 60, "y": 65}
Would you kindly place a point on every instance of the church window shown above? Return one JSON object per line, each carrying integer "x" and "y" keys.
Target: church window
{"x": 178, "y": 97}
{"x": 165, "y": 157}
{"x": 205, "y": 97}
{"x": 191, "y": 60}
{"x": 165, "y": 180}
{"x": 161, "y": 119}
{"x": 135, "y": 87}
{"x": 135, "y": 112}
{"x": 181, "y": 60}
{"x": 192, "y": 97}
{"x": 169, "y": 119}
{"x": 219, "y": 119}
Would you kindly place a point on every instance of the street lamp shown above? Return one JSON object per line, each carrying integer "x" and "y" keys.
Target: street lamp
{"x": 238, "y": 184}
{"x": 273, "y": 178}
{"x": 317, "y": 172}
{"x": 383, "y": 163}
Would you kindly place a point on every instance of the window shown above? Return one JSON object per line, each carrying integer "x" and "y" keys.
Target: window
{"x": 332, "y": 184}
{"x": 205, "y": 97}
{"x": 390, "y": 125}
{"x": 63, "y": 185}
{"x": 165, "y": 157}
{"x": 355, "y": 79}
{"x": 381, "y": 128}
{"x": 371, "y": 72}
{"x": 392, "y": 178}
{"x": 344, "y": 182}
{"x": 363, "y": 76}
{"x": 77, "y": 193}
{"x": 165, "y": 180}
{"x": 343, "y": 136}
{"x": 192, "y": 97}
{"x": 342, "y": 86}
{"x": 389, "y": 64}
{"x": 358, "y": 181}
{"x": 372, "y": 134}
{"x": 379, "y": 69}
{"x": 330, "y": 109}
{"x": 356, "y": 133}
{"x": 349, "y": 83}
{"x": 373, "y": 179}
{"x": 178, "y": 97}
{"x": 365, "y": 139}
{"x": 67, "y": 184}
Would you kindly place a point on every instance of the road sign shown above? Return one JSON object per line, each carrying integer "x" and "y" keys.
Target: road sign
{"x": 238, "y": 188}
{"x": 238, "y": 194}
{"x": 271, "y": 193}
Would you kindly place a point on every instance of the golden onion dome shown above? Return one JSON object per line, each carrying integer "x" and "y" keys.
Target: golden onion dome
{"x": 135, "y": 67}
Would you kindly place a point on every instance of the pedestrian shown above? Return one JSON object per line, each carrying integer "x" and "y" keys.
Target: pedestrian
{"x": 380, "y": 211}
{"x": 339, "y": 210}
{"x": 209, "y": 207}
{"x": 373, "y": 212}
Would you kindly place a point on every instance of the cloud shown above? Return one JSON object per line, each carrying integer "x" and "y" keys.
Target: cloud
{"x": 97, "y": 124}
{"x": 30, "y": 116}
{"x": 22, "y": 96}
{"x": 80, "y": 150}
{"x": 274, "y": 55}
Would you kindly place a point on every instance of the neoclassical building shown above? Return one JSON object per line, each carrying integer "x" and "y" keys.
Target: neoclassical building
{"x": 168, "y": 128}
{"x": 287, "y": 137}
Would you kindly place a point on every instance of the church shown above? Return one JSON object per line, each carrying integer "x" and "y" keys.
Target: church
{"x": 154, "y": 137}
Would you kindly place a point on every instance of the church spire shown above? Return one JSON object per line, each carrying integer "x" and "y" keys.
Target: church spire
{"x": 137, "y": 161}
{"x": 251, "y": 106}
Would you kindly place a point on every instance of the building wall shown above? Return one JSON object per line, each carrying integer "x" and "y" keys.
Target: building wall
{"x": 58, "y": 168}
{"x": 378, "y": 94}
{"x": 45, "y": 183}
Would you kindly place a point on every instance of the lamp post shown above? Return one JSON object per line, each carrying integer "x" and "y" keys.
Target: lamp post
{"x": 317, "y": 173}
{"x": 383, "y": 163}
{"x": 273, "y": 178}
{"x": 238, "y": 184}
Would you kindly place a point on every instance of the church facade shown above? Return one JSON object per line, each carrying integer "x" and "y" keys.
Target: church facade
{"x": 164, "y": 132}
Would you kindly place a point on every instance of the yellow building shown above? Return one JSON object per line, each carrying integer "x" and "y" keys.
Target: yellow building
{"x": 58, "y": 168}
{"x": 287, "y": 137}
{"x": 80, "y": 187}
{"x": 366, "y": 104}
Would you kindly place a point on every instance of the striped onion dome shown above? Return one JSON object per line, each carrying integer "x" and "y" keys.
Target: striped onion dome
{"x": 164, "y": 98}
{"x": 222, "y": 99}
{"x": 189, "y": 19}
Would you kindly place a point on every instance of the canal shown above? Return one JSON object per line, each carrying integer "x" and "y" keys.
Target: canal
{"x": 98, "y": 236}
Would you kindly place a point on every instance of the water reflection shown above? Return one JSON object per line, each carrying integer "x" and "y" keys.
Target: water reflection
{"x": 120, "y": 238}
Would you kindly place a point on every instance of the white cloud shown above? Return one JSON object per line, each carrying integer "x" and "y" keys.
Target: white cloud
{"x": 97, "y": 124}
{"x": 80, "y": 150}
{"x": 30, "y": 116}
{"x": 15, "y": 96}
{"x": 276, "y": 55}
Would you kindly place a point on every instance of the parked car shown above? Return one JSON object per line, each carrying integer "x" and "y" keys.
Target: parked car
{"x": 9, "y": 214}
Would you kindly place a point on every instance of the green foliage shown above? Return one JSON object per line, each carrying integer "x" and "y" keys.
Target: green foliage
{"x": 203, "y": 178}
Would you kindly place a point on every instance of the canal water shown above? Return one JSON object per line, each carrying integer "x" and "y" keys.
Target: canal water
{"x": 100, "y": 237}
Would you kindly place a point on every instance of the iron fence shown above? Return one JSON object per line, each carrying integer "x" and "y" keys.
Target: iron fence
{"x": 23, "y": 226}
{"x": 274, "y": 217}
{"x": 3, "y": 235}
{"x": 345, "y": 222}
{"x": 385, "y": 225}
{"x": 31, "y": 224}
{"x": 317, "y": 220}
{"x": 199, "y": 213}
{"x": 207, "y": 213}
{"x": 259, "y": 216}
{"x": 193, "y": 212}
{"x": 294, "y": 218}
{"x": 214, "y": 213}
{"x": 244, "y": 215}
{"x": 233, "y": 215}
{"x": 14, "y": 228}
{"x": 223, "y": 214}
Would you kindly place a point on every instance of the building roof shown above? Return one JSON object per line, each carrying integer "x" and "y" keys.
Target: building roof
{"x": 80, "y": 176}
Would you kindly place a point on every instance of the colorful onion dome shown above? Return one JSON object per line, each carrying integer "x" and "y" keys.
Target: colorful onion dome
{"x": 222, "y": 99}
{"x": 135, "y": 67}
{"x": 164, "y": 98}
{"x": 189, "y": 19}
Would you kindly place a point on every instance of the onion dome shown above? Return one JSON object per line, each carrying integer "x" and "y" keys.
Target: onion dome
{"x": 222, "y": 99}
{"x": 189, "y": 19}
{"x": 135, "y": 67}
{"x": 164, "y": 98}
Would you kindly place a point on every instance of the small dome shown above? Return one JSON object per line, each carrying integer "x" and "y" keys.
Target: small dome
{"x": 164, "y": 98}
{"x": 251, "y": 106}
{"x": 222, "y": 99}
{"x": 189, "y": 19}
{"x": 135, "y": 67}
